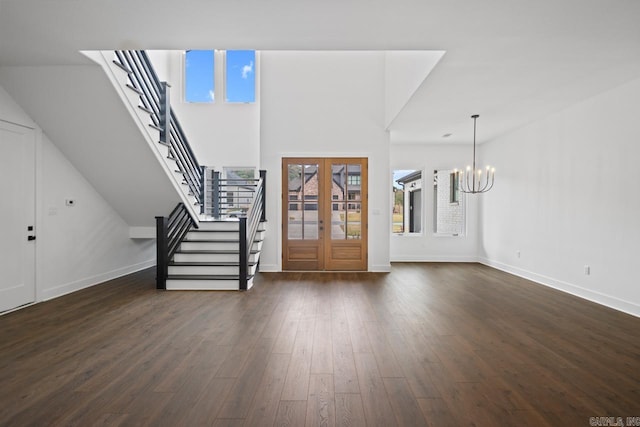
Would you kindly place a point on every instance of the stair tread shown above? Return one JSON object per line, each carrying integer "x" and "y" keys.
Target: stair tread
{"x": 135, "y": 89}
{"x": 211, "y": 251}
{"x": 145, "y": 109}
{"x": 122, "y": 67}
{"x": 216, "y": 231}
{"x": 218, "y": 240}
{"x": 207, "y": 263}
{"x": 204, "y": 277}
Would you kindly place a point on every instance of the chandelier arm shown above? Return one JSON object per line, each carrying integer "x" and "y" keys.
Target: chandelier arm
{"x": 482, "y": 190}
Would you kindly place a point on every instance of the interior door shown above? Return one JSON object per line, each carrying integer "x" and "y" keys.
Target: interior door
{"x": 17, "y": 213}
{"x": 324, "y": 214}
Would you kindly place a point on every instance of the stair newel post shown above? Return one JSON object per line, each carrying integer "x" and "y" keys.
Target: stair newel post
{"x": 215, "y": 194}
{"x": 165, "y": 113}
{"x": 244, "y": 255}
{"x": 162, "y": 251}
{"x": 263, "y": 176}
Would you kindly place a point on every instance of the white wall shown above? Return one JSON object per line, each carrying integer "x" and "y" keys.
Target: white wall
{"x": 221, "y": 134}
{"x": 325, "y": 104}
{"x": 405, "y": 71}
{"x": 566, "y": 196}
{"x": 76, "y": 246}
{"x": 426, "y": 246}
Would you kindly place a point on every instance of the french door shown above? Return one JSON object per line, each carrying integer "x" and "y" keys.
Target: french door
{"x": 17, "y": 214}
{"x": 324, "y": 214}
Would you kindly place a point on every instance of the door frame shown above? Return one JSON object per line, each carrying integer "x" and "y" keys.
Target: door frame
{"x": 325, "y": 203}
{"x": 29, "y": 249}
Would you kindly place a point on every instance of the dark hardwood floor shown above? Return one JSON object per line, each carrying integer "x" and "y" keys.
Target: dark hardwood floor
{"x": 427, "y": 344}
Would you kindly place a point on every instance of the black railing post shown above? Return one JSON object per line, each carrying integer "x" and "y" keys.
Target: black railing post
{"x": 263, "y": 176}
{"x": 215, "y": 194}
{"x": 165, "y": 113}
{"x": 243, "y": 267}
{"x": 203, "y": 186}
{"x": 161, "y": 252}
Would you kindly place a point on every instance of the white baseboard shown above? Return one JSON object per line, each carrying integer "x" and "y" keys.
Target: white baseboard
{"x": 382, "y": 268}
{"x": 597, "y": 297}
{"x": 274, "y": 268}
{"x": 434, "y": 258}
{"x": 68, "y": 288}
{"x": 269, "y": 268}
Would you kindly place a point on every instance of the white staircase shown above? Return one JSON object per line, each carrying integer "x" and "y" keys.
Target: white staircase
{"x": 209, "y": 255}
{"x": 208, "y": 258}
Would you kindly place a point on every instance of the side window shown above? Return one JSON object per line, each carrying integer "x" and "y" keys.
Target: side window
{"x": 449, "y": 207}
{"x": 199, "y": 76}
{"x": 240, "y": 76}
{"x": 407, "y": 201}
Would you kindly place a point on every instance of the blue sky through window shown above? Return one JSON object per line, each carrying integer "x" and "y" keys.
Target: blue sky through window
{"x": 199, "y": 78}
{"x": 241, "y": 77}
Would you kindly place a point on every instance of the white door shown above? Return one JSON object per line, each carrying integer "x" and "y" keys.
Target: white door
{"x": 17, "y": 214}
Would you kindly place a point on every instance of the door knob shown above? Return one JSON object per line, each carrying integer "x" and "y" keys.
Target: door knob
{"x": 30, "y": 238}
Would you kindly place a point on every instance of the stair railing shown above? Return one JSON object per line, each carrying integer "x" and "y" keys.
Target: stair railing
{"x": 169, "y": 233}
{"x": 248, "y": 227}
{"x": 154, "y": 96}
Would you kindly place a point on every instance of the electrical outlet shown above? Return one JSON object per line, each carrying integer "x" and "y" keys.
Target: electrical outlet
{"x": 587, "y": 270}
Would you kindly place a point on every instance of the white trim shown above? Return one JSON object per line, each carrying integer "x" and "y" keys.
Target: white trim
{"x": 269, "y": 268}
{"x": 382, "y": 268}
{"x": 77, "y": 285}
{"x": 434, "y": 258}
{"x": 596, "y": 297}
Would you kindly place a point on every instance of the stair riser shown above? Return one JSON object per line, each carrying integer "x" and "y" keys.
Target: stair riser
{"x": 221, "y": 246}
{"x": 212, "y": 235}
{"x": 219, "y": 225}
{"x": 214, "y": 285}
{"x": 210, "y": 270}
{"x": 209, "y": 258}
{"x": 188, "y": 257}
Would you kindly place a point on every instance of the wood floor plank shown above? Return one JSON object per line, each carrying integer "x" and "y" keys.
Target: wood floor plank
{"x": 265, "y": 403}
{"x": 404, "y": 405}
{"x": 237, "y": 403}
{"x": 296, "y": 386}
{"x": 349, "y": 410}
{"x": 453, "y": 344}
{"x": 321, "y": 409}
{"x": 291, "y": 413}
{"x": 322, "y": 354}
{"x": 436, "y": 413}
{"x": 388, "y": 365}
{"x": 375, "y": 402}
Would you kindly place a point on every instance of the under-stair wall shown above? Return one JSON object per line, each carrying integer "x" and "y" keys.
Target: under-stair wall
{"x": 78, "y": 108}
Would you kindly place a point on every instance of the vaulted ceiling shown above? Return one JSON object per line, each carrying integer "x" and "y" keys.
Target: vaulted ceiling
{"x": 511, "y": 61}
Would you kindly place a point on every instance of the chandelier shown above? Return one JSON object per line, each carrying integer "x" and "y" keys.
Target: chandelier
{"x": 473, "y": 180}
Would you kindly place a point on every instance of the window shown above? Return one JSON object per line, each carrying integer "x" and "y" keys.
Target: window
{"x": 354, "y": 180}
{"x": 407, "y": 201}
{"x": 449, "y": 211}
{"x": 240, "y": 76}
{"x": 454, "y": 188}
{"x": 199, "y": 76}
